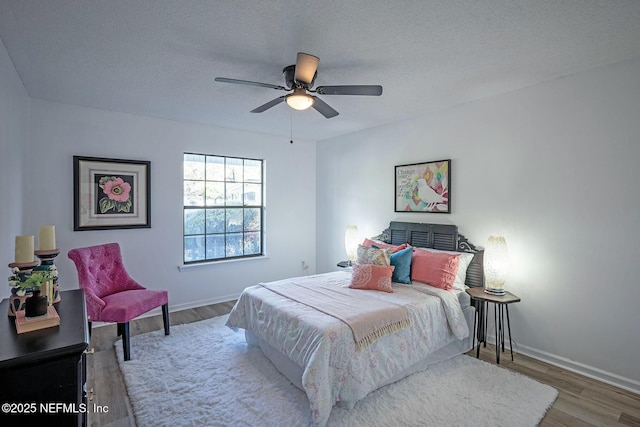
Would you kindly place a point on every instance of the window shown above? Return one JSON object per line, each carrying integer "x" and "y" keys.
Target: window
{"x": 223, "y": 208}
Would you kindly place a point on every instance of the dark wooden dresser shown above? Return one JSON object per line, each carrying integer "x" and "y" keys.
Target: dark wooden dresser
{"x": 43, "y": 373}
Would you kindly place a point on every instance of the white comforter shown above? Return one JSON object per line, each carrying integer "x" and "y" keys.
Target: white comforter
{"x": 324, "y": 347}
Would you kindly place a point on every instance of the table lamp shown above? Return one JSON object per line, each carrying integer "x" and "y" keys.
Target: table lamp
{"x": 496, "y": 265}
{"x": 351, "y": 243}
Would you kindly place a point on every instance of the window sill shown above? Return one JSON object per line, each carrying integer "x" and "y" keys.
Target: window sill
{"x": 186, "y": 267}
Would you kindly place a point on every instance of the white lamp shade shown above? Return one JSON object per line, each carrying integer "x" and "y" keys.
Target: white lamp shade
{"x": 496, "y": 263}
{"x": 351, "y": 242}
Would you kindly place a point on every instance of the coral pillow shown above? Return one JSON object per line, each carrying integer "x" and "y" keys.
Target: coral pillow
{"x": 374, "y": 244}
{"x": 374, "y": 256}
{"x": 463, "y": 265}
{"x": 435, "y": 269}
{"x": 372, "y": 277}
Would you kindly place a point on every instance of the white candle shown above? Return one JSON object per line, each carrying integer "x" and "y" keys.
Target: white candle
{"x": 24, "y": 249}
{"x": 47, "y": 238}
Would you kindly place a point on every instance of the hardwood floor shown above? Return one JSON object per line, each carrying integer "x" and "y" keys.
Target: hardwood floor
{"x": 581, "y": 401}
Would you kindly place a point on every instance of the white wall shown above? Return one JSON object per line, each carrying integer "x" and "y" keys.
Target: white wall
{"x": 152, "y": 255}
{"x": 14, "y": 104}
{"x": 553, "y": 169}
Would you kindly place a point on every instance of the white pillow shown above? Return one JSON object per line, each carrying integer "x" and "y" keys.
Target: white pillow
{"x": 463, "y": 264}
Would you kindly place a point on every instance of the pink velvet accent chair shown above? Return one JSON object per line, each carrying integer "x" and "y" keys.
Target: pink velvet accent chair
{"x": 111, "y": 294}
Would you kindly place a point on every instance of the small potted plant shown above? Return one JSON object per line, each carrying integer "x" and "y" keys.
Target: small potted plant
{"x": 23, "y": 283}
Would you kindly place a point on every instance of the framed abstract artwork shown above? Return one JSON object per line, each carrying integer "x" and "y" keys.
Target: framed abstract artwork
{"x": 111, "y": 193}
{"x": 423, "y": 187}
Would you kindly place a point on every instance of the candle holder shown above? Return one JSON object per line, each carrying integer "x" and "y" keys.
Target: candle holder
{"x": 46, "y": 257}
{"x": 17, "y": 302}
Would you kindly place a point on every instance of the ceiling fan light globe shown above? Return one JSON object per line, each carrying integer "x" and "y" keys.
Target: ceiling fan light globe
{"x": 299, "y": 101}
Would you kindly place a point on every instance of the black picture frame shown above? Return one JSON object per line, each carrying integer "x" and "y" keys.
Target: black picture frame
{"x": 423, "y": 187}
{"x": 111, "y": 193}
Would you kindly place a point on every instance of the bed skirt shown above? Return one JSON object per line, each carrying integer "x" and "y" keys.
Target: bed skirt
{"x": 293, "y": 371}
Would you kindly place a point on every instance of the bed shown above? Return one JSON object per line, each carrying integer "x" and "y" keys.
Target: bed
{"x": 317, "y": 351}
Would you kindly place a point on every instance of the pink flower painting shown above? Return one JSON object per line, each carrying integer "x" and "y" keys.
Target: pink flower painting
{"x": 117, "y": 195}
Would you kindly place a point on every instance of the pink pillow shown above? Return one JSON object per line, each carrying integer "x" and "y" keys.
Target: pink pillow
{"x": 435, "y": 269}
{"x": 372, "y": 277}
{"x": 369, "y": 243}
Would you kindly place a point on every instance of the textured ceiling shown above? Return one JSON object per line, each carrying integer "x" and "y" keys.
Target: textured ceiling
{"x": 158, "y": 58}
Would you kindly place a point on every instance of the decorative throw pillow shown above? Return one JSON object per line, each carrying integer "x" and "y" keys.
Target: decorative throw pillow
{"x": 435, "y": 269}
{"x": 465, "y": 260}
{"x": 401, "y": 260}
{"x": 374, "y": 256}
{"x": 372, "y": 277}
{"x": 375, "y": 244}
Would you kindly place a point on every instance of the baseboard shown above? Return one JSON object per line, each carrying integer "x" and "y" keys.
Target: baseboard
{"x": 582, "y": 369}
{"x": 577, "y": 367}
{"x": 179, "y": 307}
{"x": 200, "y": 303}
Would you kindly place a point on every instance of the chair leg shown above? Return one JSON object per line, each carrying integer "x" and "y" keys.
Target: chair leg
{"x": 126, "y": 348}
{"x": 165, "y": 318}
{"x": 89, "y": 324}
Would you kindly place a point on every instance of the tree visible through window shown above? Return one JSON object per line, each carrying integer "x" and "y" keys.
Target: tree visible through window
{"x": 223, "y": 207}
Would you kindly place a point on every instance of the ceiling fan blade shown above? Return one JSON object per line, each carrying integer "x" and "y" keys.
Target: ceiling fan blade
{"x": 324, "y": 108}
{"x": 247, "y": 82}
{"x": 306, "y": 66}
{"x": 268, "y": 105}
{"x": 368, "y": 90}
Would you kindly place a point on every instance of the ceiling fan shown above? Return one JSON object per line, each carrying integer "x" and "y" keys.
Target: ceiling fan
{"x": 299, "y": 79}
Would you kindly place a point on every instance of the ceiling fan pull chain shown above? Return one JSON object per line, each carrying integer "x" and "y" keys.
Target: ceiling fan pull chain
{"x": 291, "y": 129}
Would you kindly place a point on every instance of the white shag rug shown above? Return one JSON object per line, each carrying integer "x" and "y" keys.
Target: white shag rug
{"x": 204, "y": 374}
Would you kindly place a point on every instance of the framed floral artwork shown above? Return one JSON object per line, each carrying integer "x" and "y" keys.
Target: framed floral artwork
{"x": 423, "y": 187}
{"x": 111, "y": 193}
